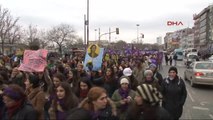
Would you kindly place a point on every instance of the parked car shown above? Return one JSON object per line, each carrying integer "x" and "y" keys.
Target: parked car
{"x": 200, "y": 72}
{"x": 210, "y": 58}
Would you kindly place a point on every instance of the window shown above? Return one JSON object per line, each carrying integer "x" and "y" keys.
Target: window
{"x": 204, "y": 66}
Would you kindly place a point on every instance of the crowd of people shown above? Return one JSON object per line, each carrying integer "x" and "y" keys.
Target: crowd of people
{"x": 129, "y": 89}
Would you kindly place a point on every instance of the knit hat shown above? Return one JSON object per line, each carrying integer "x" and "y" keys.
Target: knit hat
{"x": 152, "y": 66}
{"x": 127, "y": 72}
{"x": 124, "y": 80}
{"x": 149, "y": 94}
{"x": 173, "y": 68}
{"x": 14, "y": 93}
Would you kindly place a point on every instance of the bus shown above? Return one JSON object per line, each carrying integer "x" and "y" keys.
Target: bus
{"x": 179, "y": 53}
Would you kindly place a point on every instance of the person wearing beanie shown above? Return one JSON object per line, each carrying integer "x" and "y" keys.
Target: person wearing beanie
{"x": 173, "y": 85}
{"x": 16, "y": 105}
{"x": 123, "y": 97}
{"x": 156, "y": 75}
{"x": 149, "y": 79}
{"x": 147, "y": 105}
{"x": 173, "y": 68}
{"x": 133, "y": 82}
{"x": 35, "y": 95}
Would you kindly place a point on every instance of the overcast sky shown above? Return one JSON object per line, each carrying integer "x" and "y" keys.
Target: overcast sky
{"x": 151, "y": 15}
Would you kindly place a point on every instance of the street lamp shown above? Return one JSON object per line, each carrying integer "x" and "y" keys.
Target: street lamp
{"x": 137, "y": 33}
{"x": 95, "y": 34}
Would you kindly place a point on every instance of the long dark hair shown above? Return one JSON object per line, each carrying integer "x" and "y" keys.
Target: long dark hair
{"x": 84, "y": 80}
{"x": 34, "y": 79}
{"x": 70, "y": 100}
{"x": 111, "y": 78}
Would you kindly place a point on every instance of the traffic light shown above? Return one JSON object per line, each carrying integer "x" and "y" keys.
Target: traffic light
{"x": 117, "y": 30}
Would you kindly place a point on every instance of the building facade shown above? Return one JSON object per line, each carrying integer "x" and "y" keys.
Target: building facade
{"x": 159, "y": 40}
{"x": 203, "y": 34}
{"x": 177, "y": 39}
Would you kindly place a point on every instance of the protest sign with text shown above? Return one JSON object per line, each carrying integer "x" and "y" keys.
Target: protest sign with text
{"x": 34, "y": 61}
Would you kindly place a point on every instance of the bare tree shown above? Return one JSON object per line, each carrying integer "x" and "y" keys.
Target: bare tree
{"x": 43, "y": 39}
{"x": 62, "y": 34}
{"x": 36, "y": 37}
{"x": 31, "y": 33}
{"x": 14, "y": 36}
{"x": 7, "y": 23}
{"x": 76, "y": 42}
{"x": 120, "y": 44}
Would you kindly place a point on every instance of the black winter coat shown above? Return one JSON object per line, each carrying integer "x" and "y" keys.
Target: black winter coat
{"x": 25, "y": 112}
{"x": 158, "y": 77}
{"x": 106, "y": 114}
{"x": 157, "y": 113}
{"x": 174, "y": 96}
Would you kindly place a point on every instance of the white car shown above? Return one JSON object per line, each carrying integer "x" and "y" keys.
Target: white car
{"x": 210, "y": 58}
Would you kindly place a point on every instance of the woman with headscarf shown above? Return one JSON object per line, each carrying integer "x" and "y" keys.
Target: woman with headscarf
{"x": 147, "y": 105}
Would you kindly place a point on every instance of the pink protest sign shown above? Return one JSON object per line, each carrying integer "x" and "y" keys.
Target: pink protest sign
{"x": 34, "y": 61}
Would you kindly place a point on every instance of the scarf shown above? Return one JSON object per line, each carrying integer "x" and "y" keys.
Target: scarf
{"x": 61, "y": 114}
{"x": 108, "y": 79}
{"x": 95, "y": 115}
{"x": 83, "y": 93}
{"x": 13, "y": 109}
{"x": 124, "y": 94}
{"x": 149, "y": 81}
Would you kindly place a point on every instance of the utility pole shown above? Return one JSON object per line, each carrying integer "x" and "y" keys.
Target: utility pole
{"x": 137, "y": 33}
{"x": 85, "y": 43}
{"x": 87, "y": 22}
{"x": 109, "y": 35}
{"x": 99, "y": 35}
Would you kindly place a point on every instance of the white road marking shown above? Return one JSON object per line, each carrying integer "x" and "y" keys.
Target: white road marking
{"x": 200, "y": 108}
{"x": 203, "y": 103}
{"x": 211, "y": 116}
{"x": 190, "y": 96}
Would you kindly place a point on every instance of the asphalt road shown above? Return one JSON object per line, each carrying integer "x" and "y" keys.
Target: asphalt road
{"x": 199, "y": 102}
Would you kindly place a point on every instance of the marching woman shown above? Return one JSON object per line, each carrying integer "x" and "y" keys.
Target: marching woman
{"x": 174, "y": 93}
{"x": 147, "y": 105}
{"x": 35, "y": 95}
{"x": 110, "y": 83}
{"x": 16, "y": 105}
{"x": 63, "y": 103}
{"x": 123, "y": 97}
{"x": 149, "y": 79}
{"x": 57, "y": 79}
{"x": 83, "y": 88}
{"x": 98, "y": 105}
